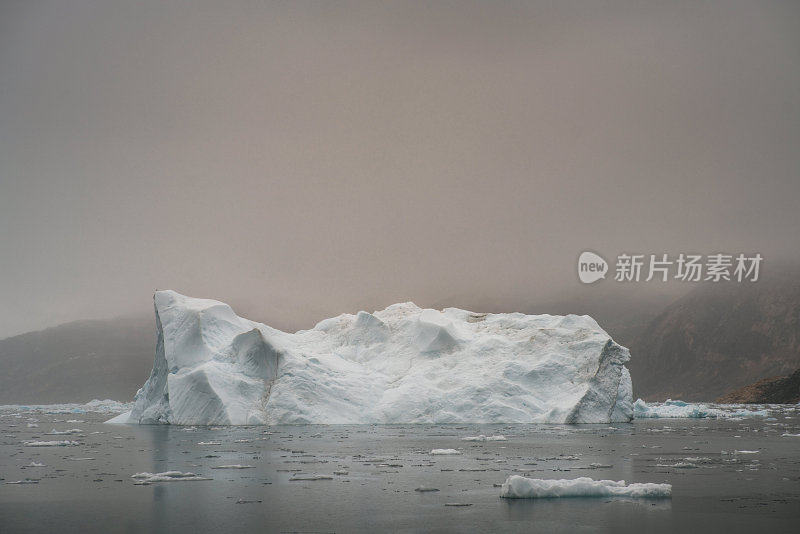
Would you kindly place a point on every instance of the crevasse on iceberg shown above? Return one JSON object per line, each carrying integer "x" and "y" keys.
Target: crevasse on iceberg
{"x": 400, "y": 365}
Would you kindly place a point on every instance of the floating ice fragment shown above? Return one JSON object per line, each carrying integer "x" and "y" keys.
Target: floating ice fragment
{"x": 485, "y": 438}
{"x": 679, "y": 465}
{"x": 98, "y": 406}
{"x": 679, "y": 409}
{"x": 62, "y": 443}
{"x": 517, "y": 487}
{"x": 443, "y": 452}
{"x": 167, "y": 476}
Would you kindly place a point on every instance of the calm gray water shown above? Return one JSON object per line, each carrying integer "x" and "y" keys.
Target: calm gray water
{"x": 374, "y": 470}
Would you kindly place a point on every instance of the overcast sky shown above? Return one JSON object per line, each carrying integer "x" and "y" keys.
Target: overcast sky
{"x": 303, "y": 159}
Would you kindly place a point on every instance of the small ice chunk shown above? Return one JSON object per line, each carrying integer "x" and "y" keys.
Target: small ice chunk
{"x": 167, "y": 476}
{"x": 499, "y": 437}
{"x": 598, "y": 465}
{"x": 55, "y": 432}
{"x": 25, "y": 481}
{"x": 517, "y": 487}
{"x": 61, "y": 443}
{"x": 443, "y": 452}
{"x": 679, "y": 465}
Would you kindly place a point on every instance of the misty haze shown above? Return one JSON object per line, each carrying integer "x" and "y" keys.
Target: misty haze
{"x": 372, "y": 266}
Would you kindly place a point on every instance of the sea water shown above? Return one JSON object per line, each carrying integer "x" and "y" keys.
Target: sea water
{"x": 727, "y": 475}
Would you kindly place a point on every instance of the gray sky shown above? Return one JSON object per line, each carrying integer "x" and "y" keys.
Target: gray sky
{"x": 305, "y": 159}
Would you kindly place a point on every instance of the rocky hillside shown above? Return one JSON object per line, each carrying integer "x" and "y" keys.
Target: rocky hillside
{"x": 77, "y": 361}
{"x": 776, "y": 390}
{"x": 719, "y": 337}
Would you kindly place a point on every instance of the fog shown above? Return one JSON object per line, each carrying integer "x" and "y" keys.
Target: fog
{"x": 303, "y": 159}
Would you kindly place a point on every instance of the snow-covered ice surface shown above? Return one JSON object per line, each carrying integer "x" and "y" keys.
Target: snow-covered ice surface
{"x": 518, "y": 487}
{"x": 364, "y": 478}
{"x": 403, "y": 364}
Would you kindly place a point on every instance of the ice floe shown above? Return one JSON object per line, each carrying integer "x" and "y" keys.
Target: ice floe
{"x": 484, "y": 438}
{"x": 518, "y": 487}
{"x": 673, "y": 409}
{"x": 167, "y": 476}
{"x": 96, "y": 406}
{"x": 59, "y": 443}
{"x": 444, "y": 452}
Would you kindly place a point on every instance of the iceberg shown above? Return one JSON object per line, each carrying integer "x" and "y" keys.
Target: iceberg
{"x": 677, "y": 409}
{"x": 403, "y": 364}
{"x": 517, "y": 487}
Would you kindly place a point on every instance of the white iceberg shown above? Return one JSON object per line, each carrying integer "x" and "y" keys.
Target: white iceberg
{"x": 404, "y": 364}
{"x": 517, "y": 487}
{"x": 677, "y": 409}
